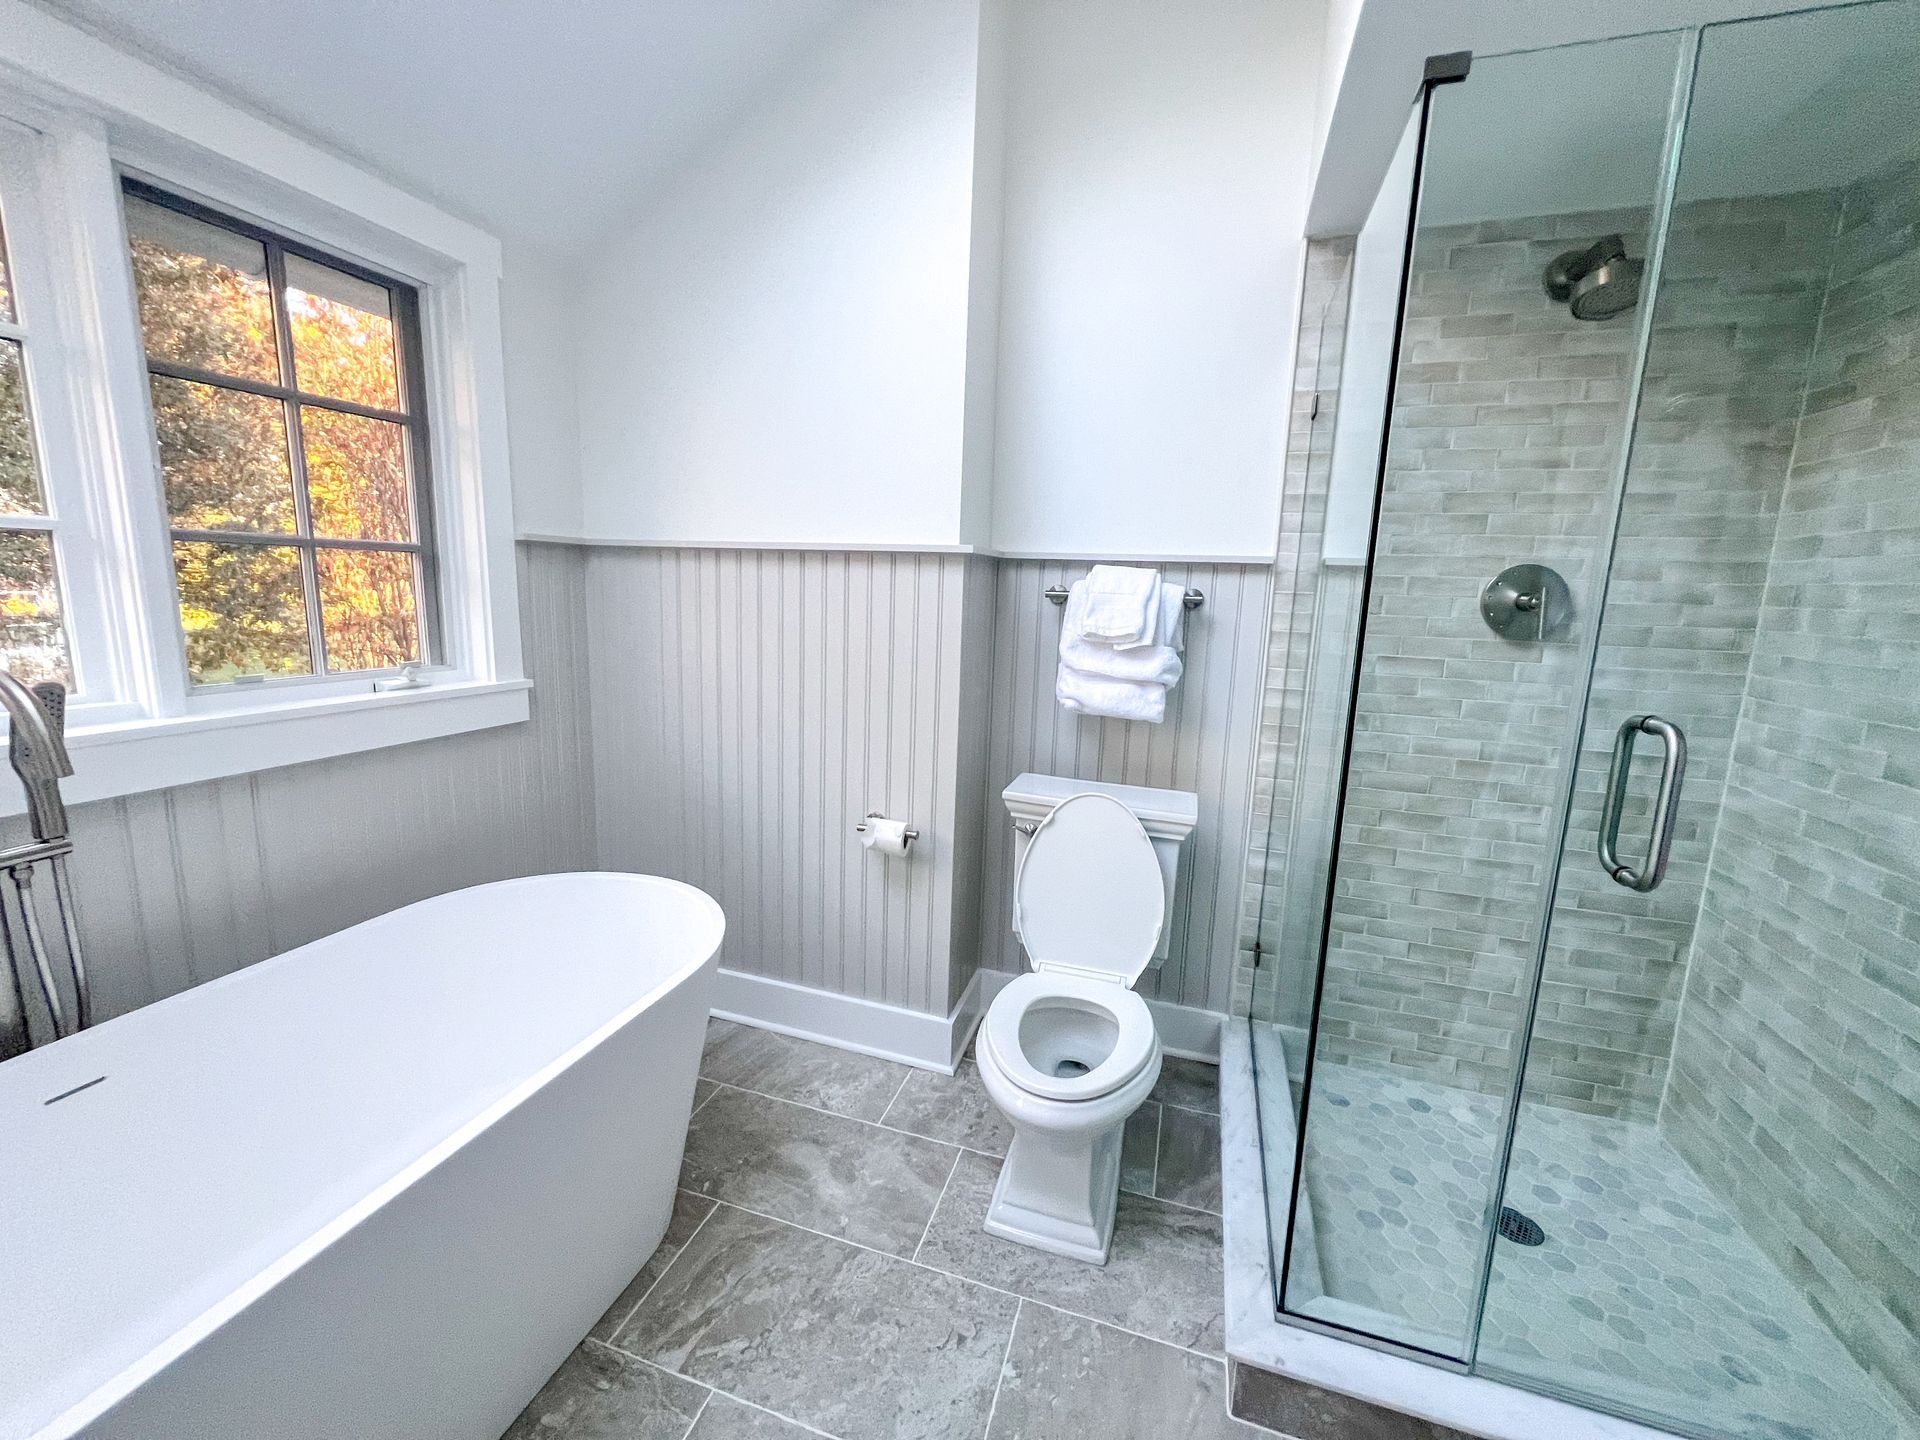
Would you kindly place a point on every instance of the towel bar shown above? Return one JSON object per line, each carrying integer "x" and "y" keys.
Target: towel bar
{"x": 1193, "y": 599}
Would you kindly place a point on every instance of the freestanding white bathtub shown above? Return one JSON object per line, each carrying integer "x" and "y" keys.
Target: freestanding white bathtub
{"x": 378, "y": 1186}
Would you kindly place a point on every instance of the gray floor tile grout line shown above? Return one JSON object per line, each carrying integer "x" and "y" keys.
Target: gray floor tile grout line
{"x": 1184, "y": 1109}
{"x": 713, "y": 1390}
{"x": 714, "y": 1205}
{"x": 898, "y": 1091}
{"x": 705, "y": 1400}
{"x": 927, "y": 1229}
{"x": 851, "y": 1119}
{"x": 1005, "y": 1356}
{"x": 951, "y": 1275}
{"x": 709, "y": 1095}
{"x": 1175, "y": 1204}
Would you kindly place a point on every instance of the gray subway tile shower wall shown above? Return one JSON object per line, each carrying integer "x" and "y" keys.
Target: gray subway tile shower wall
{"x": 1801, "y": 1011}
{"x": 1451, "y": 801}
{"x": 1749, "y": 998}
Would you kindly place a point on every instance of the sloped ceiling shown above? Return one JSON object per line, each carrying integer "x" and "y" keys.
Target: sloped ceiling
{"x": 543, "y": 122}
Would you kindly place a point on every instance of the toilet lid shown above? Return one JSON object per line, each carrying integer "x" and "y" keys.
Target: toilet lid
{"x": 1089, "y": 897}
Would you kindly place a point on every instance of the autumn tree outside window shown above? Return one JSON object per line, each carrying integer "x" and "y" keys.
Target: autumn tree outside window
{"x": 290, "y": 427}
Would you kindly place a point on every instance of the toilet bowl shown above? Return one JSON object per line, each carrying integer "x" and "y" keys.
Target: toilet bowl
{"x": 1068, "y": 1052}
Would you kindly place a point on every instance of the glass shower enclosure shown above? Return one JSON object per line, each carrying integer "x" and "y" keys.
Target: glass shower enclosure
{"x": 1595, "y": 955}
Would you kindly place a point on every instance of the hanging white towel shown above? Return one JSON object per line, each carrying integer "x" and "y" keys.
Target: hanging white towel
{"x": 1097, "y": 678}
{"x": 1122, "y": 605}
{"x": 1086, "y": 694}
{"x": 1155, "y": 664}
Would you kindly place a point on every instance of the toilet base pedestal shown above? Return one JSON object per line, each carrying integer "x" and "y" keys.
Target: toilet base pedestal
{"x": 1057, "y": 1192}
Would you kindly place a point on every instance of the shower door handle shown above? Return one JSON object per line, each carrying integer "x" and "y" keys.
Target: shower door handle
{"x": 1673, "y": 770}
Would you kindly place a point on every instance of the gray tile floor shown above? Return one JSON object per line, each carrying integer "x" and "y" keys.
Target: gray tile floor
{"x": 825, "y": 1273}
{"x": 1645, "y": 1292}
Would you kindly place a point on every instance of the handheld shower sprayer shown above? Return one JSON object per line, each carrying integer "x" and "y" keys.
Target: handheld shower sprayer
{"x": 37, "y": 750}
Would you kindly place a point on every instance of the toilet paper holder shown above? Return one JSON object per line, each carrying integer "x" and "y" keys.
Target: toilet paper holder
{"x": 861, "y": 828}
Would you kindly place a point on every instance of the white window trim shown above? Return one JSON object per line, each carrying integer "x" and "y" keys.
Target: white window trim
{"x": 104, "y": 113}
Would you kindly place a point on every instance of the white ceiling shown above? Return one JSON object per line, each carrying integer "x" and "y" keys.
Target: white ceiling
{"x": 544, "y": 122}
{"x": 1800, "y": 102}
{"x": 1793, "y": 88}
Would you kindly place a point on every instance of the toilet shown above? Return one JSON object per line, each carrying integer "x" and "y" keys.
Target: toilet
{"x": 1068, "y": 1052}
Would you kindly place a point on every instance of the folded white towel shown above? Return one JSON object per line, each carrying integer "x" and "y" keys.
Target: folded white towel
{"x": 1173, "y": 616}
{"x": 1122, "y": 602}
{"x": 1128, "y": 683}
{"x": 1086, "y": 694}
{"x": 1155, "y": 664}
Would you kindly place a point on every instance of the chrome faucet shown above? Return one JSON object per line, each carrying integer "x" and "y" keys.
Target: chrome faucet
{"x": 37, "y": 749}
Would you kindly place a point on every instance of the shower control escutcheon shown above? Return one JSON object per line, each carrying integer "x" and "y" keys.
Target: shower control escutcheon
{"x": 1526, "y": 602}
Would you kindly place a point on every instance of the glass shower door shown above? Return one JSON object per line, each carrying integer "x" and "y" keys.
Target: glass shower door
{"x": 1709, "y": 1202}
{"x": 1491, "y": 532}
{"x": 1612, "y": 1088}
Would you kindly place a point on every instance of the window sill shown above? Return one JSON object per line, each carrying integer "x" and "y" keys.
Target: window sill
{"x": 131, "y": 756}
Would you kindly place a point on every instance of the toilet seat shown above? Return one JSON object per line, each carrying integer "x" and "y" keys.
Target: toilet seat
{"x": 1088, "y": 898}
{"x": 1135, "y": 1043}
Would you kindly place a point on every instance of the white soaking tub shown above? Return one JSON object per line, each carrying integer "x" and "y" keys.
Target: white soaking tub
{"x": 378, "y": 1186}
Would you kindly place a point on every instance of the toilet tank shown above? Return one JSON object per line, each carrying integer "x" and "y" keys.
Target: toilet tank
{"x": 1168, "y": 816}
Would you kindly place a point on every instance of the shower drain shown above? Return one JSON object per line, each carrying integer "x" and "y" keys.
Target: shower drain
{"x": 1519, "y": 1228}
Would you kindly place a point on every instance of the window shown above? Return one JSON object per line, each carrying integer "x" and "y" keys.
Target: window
{"x": 32, "y": 637}
{"x": 291, "y": 435}
{"x": 225, "y": 519}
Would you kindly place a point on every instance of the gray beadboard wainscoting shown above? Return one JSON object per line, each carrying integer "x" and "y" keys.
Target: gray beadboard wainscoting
{"x": 750, "y": 706}
{"x": 176, "y": 887}
{"x": 724, "y": 717}
{"x": 1205, "y": 745}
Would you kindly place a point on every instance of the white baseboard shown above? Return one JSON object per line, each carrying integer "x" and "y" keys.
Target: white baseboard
{"x": 1184, "y": 1031}
{"x": 913, "y": 1037}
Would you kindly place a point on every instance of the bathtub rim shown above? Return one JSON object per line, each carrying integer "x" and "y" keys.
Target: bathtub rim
{"x": 101, "y": 1399}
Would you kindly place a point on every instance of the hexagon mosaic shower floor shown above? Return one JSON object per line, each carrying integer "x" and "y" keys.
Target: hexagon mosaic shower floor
{"x": 1645, "y": 1288}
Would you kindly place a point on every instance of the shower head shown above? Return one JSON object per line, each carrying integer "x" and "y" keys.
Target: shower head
{"x": 1598, "y": 282}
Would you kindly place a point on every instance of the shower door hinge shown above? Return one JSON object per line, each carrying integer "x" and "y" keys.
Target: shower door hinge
{"x": 1256, "y": 954}
{"x": 1313, "y": 410}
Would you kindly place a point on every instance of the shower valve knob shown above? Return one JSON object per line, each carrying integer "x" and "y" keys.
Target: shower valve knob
{"x": 1526, "y": 602}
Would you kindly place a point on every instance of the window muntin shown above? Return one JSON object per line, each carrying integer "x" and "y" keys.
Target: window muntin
{"x": 33, "y": 635}
{"x": 291, "y": 434}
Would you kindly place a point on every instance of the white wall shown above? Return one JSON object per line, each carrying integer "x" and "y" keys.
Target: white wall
{"x": 536, "y": 331}
{"x": 1156, "y": 182}
{"x": 1373, "y": 316}
{"x": 775, "y": 351}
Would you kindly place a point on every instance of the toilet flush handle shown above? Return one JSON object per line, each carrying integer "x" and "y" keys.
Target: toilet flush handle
{"x": 1026, "y": 827}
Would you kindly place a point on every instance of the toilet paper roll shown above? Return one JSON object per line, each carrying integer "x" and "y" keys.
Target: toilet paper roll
{"x": 885, "y": 837}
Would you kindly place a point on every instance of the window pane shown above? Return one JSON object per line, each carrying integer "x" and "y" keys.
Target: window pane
{"x": 243, "y": 610}
{"x": 368, "y": 609}
{"x": 6, "y": 278}
{"x": 342, "y": 335}
{"x": 204, "y": 297}
{"x": 19, "y": 476}
{"x": 356, "y": 475}
{"x": 224, "y": 455}
{"x": 33, "y": 642}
